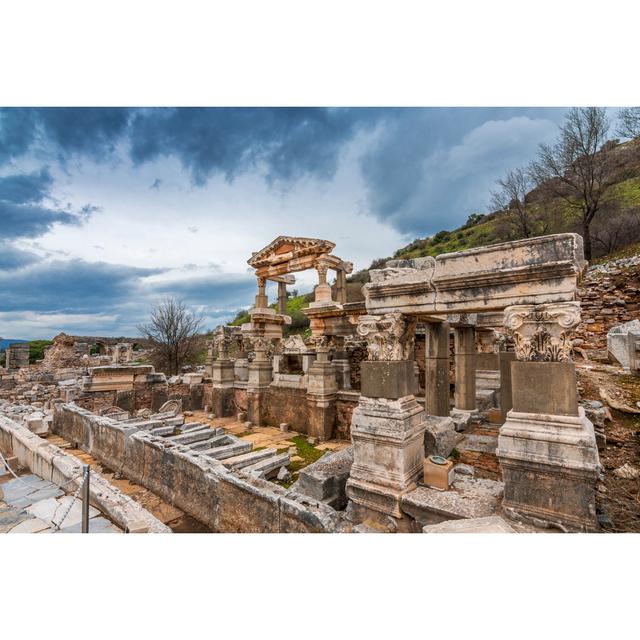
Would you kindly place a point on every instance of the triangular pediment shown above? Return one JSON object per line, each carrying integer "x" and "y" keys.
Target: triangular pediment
{"x": 285, "y": 248}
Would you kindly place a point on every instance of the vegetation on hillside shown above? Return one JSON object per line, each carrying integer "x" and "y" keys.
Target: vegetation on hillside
{"x": 36, "y": 349}
{"x": 295, "y": 304}
{"x": 528, "y": 204}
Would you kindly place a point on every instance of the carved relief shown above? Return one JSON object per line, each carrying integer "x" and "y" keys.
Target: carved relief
{"x": 389, "y": 337}
{"x": 542, "y": 332}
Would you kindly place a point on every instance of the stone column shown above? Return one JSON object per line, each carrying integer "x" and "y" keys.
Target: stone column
{"x": 547, "y": 447}
{"x": 241, "y": 364}
{"x": 437, "y": 369}
{"x": 465, "y": 352}
{"x": 321, "y": 393}
{"x": 222, "y": 378}
{"x": 208, "y": 368}
{"x": 323, "y": 290}
{"x": 388, "y": 425}
{"x": 341, "y": 286}
{"x": 341, "y": 364}
{"x": 260, "y": 375}
{"x": 282, "y": 297}
{"x": 262, "y": 302}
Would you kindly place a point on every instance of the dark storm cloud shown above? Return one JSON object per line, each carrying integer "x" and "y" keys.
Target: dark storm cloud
{"x": 17, "y": 132}
{"x": 289, "y": 142}
{"x": 90, "y": 131}
{"x": 22, "y": 210}
{"x": 13, "y": 258}
{"x": 26, "y": 187}
{"x": 26, "y": 220}
{"x": 73, "y": 286}
{"x": 430, "y": 168}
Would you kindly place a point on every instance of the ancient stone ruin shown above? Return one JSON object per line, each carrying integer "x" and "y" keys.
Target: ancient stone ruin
{"x": 462, "y": 361}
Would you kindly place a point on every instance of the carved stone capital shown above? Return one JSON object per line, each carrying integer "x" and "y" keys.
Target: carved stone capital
{"x": 389, "y": 337}
{"x": 542, "y": 332}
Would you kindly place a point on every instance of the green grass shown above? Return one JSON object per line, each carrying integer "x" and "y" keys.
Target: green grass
{"x": 306, "y": 451}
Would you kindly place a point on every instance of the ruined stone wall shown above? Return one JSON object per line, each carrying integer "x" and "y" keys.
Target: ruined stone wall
{"x": 285, "y": 404}
{"x": 609, "y": 296}
{"x": 56, "y": 465}
{"x": 144, "y": 395}
{"x": 225, "y": 501}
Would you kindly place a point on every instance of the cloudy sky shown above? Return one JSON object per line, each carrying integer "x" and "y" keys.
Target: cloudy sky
{"x": 105, "y": 211}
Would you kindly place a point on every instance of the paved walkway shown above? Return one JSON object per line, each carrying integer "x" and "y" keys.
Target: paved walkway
{"x": 29, "y": 504}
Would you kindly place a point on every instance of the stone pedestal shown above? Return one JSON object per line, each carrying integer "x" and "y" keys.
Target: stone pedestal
{"x": 547, "y": 448}
{"x": 465, "y": 352}
{"x": 437, "y": 369}
{"x": 388, "y": 452}
{"x": 222, "y": 388}
{"x": 260, "y": 376}
{"x": 321, "y": 394}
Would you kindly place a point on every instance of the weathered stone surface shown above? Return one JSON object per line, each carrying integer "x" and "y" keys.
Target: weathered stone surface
{"x": 623, "y": 345}
{"x": 326, "y": 479}
{"x": 488, "y": 524}
{"x": 269, "y": 466}
{"x": 469, "y": 498}
{"x": 533, "y": 271}
{"x": 388, "y": 452}
{"x": 33, "y": 525}
{"x": 440, "y": 436}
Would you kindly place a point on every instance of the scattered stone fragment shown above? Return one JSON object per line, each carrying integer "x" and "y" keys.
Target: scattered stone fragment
{"x": 627, "y": 471}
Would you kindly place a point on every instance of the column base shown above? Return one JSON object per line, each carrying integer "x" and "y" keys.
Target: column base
{"x": 388, "y": 452}
{"x": 550, "y": 467}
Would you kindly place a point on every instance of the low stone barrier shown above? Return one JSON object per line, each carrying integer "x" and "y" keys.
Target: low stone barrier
{"x": 224, "y": 500}
{"x": 52, "y": 463}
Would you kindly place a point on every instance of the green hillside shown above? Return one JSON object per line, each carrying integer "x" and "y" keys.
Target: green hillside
{"x": 611, "y": 225}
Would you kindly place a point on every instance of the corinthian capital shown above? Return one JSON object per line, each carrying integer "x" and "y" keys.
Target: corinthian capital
{"x": 389, "y": 337}
{"x": 542, "y": 332}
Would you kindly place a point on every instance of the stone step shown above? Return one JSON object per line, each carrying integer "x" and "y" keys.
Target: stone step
{"x": 192, "y": 436}
{"x": 469, "y": 498}
{"x": 489, "y": 524}
{"x": 227, "y": 451}
{"x": 268, "y": 467}
{"x": 248, "y": 459}
{"x": 214, "y": 441}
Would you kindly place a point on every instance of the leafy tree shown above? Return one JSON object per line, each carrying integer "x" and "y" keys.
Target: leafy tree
{"x": 36, "y": 349}
{"x": 575, "y": 169}
{"x": 173, "y": 332}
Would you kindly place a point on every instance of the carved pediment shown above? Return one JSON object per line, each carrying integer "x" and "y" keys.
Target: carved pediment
{"x": 285, "y": 248}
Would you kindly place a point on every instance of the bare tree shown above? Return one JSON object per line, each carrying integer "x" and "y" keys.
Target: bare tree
{"x": 511, "y": 198}
{"x": 575, "y": 169}
{"x": 629, "y": 122}
{"x": 173, "y": 331}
